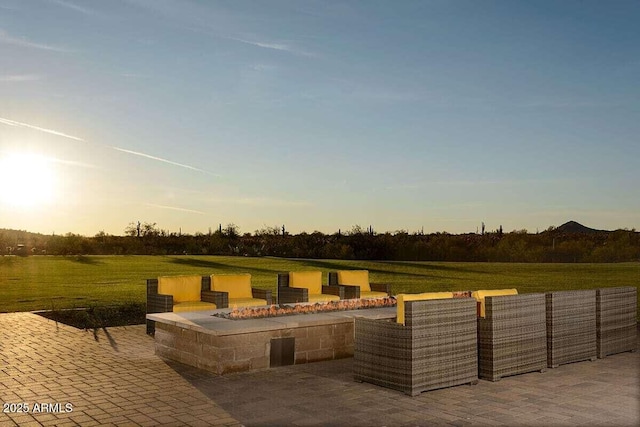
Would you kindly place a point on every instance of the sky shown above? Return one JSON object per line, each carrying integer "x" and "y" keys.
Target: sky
{"x": 426, "y": 115}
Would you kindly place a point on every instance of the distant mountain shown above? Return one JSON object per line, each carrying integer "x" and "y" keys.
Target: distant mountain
{"x": 576, "y": 227}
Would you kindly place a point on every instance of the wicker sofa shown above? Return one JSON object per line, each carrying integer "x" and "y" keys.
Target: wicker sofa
{"x": 571, "y": 327}
{"x": 181, "y": 293}
{"x": 616, "y": 324}
{"x": 435, "y": 348}
{"x": 306, "y": 286}
{"x": 356, "y": 284}
{"x": 512, "y": 336}
{"x": 237, "y": 290}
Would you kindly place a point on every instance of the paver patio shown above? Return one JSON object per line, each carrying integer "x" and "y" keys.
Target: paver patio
{"x": 112, "y": 377}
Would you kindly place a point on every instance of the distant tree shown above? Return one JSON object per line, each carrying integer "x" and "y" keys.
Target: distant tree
{"x": 133, "y": 229}
{"x": 231, "y": 231}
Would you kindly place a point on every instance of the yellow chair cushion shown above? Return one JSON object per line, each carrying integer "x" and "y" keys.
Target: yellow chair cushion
{"x": 193, "y": 306}
{"x": 373, "y": 294}
{"x": 480, "y": 296}
{"x": 183, "y": 288}
{"x": 401, "y": 298}
{"x": 311, "y": 280}
{"x": 246, "y": 302}
{"x": 355, "y": 277}
{"x": 323, "y": 297}
{"x": 237, "y": 285}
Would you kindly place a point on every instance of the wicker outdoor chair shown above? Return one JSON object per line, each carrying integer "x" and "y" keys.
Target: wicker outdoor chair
{"x": 435, "y": 348}
{"x": 180, "y": 293}
{"x": 306, "y": 286}
{"x": 571, "y": 327}
{"x": 616, "y": 324}
{"x": 512, "y": 337}
{"x": 237, "y": 290}
{"x": 356, "y": 284}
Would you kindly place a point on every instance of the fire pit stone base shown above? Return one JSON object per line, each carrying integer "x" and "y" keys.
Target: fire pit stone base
{"x": 226, "y": 346}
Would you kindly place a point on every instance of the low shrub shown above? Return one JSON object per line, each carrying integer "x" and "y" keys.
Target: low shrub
{"x": 95, "y": 317}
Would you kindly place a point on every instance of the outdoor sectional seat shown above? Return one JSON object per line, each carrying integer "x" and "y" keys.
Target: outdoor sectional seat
{"x": 512, "y": 336}
{"x": 436, "y": 346}
{"x": 179, "y": 294}
{"x": 616, "y": 325}
{"x": 356, "y": 284}
{"x": 482, "y": 294}
{"x": 306, "y": 286}
{"x": 238, "y": 291}
{"x": 401, "y": 298}
{"x": 571, "y": 327}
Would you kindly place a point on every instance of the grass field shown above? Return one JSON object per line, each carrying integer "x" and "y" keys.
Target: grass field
{"x": 52, "y": 282}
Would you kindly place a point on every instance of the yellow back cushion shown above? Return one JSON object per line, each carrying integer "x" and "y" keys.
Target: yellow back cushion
{"x": 311, "y": 280}
{"x": 401, "y": 298}
{"x": 355, "y": 277}
{"x": 183, "y": 288}
{"x": 480, "y": 296}
{"x": 237, "y": 285}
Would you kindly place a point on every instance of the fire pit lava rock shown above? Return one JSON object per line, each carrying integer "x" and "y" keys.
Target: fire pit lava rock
{"x": 305, "y": 308}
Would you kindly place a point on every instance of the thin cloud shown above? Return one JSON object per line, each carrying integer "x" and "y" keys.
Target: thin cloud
{"x": 75, "y": 164}
{"x": 23, "y": 42}
{"x": 270, "y": 45}
{"x": 72, "y": 6}
{"x": 274, "y": 46}
{"x": 20, "y": 78}
{"x": 263, "y": 201}
{"x": 469, "y": 183}
{"x": 174, "y": 208}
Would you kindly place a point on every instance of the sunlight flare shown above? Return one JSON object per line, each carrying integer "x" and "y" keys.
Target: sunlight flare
{"x": 28, "y": 180}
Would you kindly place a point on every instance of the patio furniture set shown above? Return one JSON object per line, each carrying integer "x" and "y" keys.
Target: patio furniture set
{"x": 194, "y": 293}
{"x": 438, "y": 339}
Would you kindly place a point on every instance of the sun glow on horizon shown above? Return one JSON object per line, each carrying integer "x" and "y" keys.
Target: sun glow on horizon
{"x": 28, "y": 180}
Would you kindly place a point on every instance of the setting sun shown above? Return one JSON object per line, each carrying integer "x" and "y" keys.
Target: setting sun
{"x": 28, "y": 180}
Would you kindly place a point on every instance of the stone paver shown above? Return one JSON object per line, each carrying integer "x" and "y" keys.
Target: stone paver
{"x": 110, "y": 377}
{"x": 114, "y": 378}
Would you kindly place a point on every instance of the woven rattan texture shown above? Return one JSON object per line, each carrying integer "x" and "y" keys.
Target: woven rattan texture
{"x": 571, "y": 326}
{"x": 616, "y": 324}
{"x": 512, "y": 337}
{"x": 437, "y": 348}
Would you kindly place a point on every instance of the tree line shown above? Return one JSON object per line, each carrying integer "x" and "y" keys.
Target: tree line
{"x": 552, "y": 245}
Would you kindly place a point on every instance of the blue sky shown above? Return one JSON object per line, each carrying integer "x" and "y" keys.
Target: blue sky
{"x": 319, "y": 115}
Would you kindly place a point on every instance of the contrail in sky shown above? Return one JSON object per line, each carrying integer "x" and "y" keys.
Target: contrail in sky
{"x": 76, "y": 138}
{"x": 26, "y": 125}
{"x": 148, "y": 156}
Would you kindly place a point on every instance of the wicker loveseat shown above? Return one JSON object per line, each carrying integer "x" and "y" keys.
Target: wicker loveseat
{"x": 512, "y": 335}
{"x": 356, "y": 284}
{"x": 237, "y": 290}
{"x": 435, "y": 348}
{"x": 180, "y": 293}
{"x": 306, "y": 286}
{"x": 616, "y": 324}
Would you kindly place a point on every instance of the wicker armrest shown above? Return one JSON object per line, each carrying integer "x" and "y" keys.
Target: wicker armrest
{"x": 351, "y": 291}
{"x": 292, "y": 295}
{"x": 220, "y": 299}
{"x": 157, "y": 303}
{"x": 381, "y": 287}
{"x": 333, "y": 290}
{"x": 262, "y": 294}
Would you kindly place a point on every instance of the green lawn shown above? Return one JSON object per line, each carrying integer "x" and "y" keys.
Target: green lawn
{"x": 46, "y": 282}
